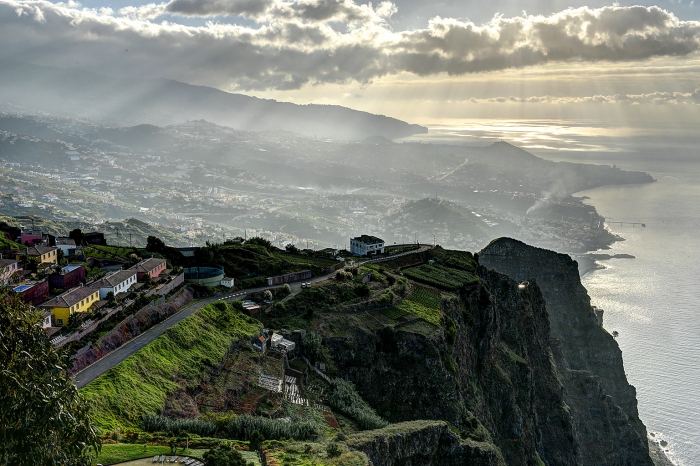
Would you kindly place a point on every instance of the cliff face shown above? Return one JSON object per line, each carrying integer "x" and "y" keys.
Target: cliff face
{"x": 423, "y": 443}
{"x": 588, "y": 360}
{"x": 492, "y": 377}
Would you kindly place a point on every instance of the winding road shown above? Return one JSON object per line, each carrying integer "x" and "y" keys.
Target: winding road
{"x": 101, "y": 366}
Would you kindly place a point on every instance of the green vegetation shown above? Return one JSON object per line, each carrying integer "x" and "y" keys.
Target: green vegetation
{"x": 224, "y": 455}
{"x": 312, "y": 454}
{"x": 307, "y": 428}
{"x": 153, "y": 423}
{"x": 9, "y": 244}
{"x": 43, "y": 418}
{"x": 120, "y": 452}
{"x": 346, "y": 400}
{"x": 141, "y": 383}
{"x": 393, "y": 312}
{"x": 440, "y": 276}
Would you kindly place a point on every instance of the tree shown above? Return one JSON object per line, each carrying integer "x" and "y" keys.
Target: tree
{"x": 224, "y": 455}
{"x": 76, "y": 235}
{"x": 256, "y": 439}
{"x": 292, "y": 249}
{"x": 43, "y": 418}
{"x": 154, "y": 244}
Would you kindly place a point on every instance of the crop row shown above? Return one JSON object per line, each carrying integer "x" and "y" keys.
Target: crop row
{"x": 440, "y": 276}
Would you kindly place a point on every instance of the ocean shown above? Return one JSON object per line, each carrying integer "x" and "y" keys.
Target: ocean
{"x": 653, "y": 300}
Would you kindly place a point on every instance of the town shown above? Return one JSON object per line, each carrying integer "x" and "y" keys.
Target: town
{"x": 198, "y": 182}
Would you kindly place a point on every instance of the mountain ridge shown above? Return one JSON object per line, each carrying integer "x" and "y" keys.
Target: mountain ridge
{"x": 161, "y": 101}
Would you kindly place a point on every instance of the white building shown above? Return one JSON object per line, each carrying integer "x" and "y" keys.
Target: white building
{"x": 66, "y": 245}
{"x": 116, "y": 282}
{"x": 280, "y": 343}
{"x": 365, "y": 245}
{"x": 227, "y": 282}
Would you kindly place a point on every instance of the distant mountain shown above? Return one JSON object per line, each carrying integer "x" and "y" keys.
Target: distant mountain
{"x": 77, "y": 93}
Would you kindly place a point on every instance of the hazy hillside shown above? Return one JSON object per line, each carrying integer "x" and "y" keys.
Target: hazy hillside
{"x": 76, "y": 93}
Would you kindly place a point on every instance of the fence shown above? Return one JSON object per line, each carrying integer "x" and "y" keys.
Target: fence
{"x": 162, "y": 290}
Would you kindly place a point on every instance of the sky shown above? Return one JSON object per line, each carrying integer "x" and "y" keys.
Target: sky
{"x": 424, "y": 62}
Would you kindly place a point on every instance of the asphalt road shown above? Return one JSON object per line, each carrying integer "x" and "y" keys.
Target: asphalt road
{"x": 98, "y": 368}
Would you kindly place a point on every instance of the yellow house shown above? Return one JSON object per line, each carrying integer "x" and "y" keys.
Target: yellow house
{"x": 45, "y": 254}
{"x": 65, "y": 305}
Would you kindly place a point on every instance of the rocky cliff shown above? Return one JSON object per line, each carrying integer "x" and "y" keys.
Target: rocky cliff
{"x": 526, "y": 374}
{"x": 588, "y": 360}
{"x": 423, "y": 443}
{"x": 488, "y": 371}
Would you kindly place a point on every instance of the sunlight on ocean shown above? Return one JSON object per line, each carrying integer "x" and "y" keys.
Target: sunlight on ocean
{"x": 653, "y": 301}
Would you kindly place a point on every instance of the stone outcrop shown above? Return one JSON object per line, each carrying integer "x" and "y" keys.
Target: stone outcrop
{"x": 588, "y": 360}
{"x": 493, "y": 379}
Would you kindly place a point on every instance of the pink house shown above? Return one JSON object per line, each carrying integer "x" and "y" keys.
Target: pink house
{"x": 153, "y": 267}
{"x": 30, "y": 237}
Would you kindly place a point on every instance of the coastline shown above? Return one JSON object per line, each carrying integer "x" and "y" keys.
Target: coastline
{"x": 590, "y": 262}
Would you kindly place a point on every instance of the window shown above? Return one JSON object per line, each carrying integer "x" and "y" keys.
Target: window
{"x": 59, "y": 321}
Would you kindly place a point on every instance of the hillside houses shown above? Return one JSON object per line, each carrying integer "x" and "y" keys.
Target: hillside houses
{"x": 79, "y": 299}
{"x": 44, "y": 254}
{"x": 152, "y": 267}
{"x": 116, "y": 282}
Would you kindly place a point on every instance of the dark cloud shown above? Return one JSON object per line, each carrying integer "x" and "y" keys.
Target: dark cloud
{"x": 299, "y": 43}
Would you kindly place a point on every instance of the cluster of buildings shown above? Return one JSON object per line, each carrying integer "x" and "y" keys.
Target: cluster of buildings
{"x": 65, "y": 291}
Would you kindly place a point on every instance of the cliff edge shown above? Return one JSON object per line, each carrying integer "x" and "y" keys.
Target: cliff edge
{"x": 588, "y": 360}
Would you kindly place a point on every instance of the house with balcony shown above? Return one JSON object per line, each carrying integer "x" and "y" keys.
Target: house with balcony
{"x": 116, "y": 282}
{"x": 63, "y": 306}
{"x": 365, "y": 245}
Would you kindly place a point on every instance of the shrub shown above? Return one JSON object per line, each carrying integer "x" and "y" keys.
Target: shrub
{"x": 245, "y": 427}
{"x": 155, "y": 423}
{"x": 347, "y": 401}
{"x": 362, "y": 290}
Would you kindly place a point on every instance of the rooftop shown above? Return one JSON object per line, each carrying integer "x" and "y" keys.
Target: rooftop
{"x": 115, "y": 278}
{"x": 368, "y": 239}
{"x": 38, "y": 250}
{"x": 147, "y": 265}
{"x": 65, "y": 242}
{"x": 70, "y": 268}
{"x": 70, "y": 297}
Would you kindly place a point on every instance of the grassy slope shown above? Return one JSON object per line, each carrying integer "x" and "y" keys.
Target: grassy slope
{"x": 141, "y": 383}
{"x": 8, "y": 244}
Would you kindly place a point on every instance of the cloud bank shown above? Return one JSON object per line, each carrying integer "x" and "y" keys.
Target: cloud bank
{"x": 656, "y": 98}
{"x": 306, "y": 42}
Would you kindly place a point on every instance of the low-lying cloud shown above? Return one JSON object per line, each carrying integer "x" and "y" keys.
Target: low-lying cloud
{"x": 656, "y": 98}
{"x": 306, "y": 42}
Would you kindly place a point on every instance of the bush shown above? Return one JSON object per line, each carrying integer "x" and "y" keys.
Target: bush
{"x": 347, "y": 401}
{"x": 387, "y": 297}
{"x": 201, "y": 427}
{"x": 246, "y": 427}
{"x": 333, "y": 450}
{"x": 362, "y": 290}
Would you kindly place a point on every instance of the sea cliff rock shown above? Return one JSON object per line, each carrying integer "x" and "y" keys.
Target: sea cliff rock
{"x": 423, "y": 443}
{"x": 493, "y": 379}
{"x": 588, "y": 360}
